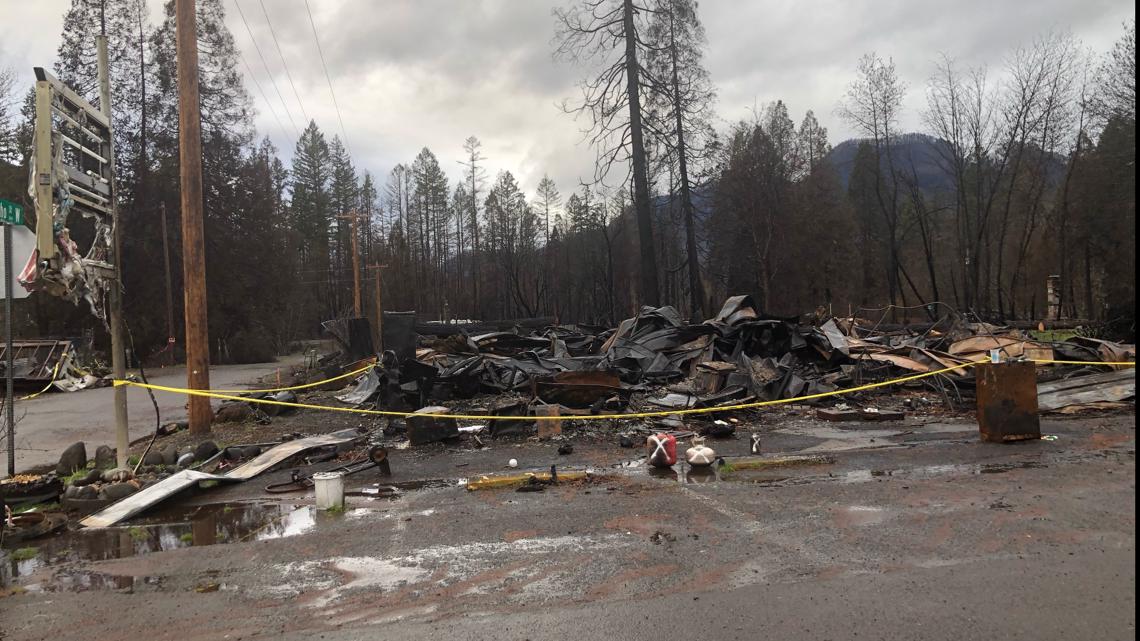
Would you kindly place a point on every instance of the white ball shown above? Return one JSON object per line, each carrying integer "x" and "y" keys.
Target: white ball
{"x": 513, "y": 463}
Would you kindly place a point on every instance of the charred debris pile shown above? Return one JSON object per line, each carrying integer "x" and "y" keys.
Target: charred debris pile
{"x": 655, "y": 361}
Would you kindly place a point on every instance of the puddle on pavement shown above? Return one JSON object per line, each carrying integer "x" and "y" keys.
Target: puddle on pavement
{"x": 867, "y": 475}
{"x": 396, "y": 490}
{"x": 683, "y": 473}
{"x": 158, "y": 531}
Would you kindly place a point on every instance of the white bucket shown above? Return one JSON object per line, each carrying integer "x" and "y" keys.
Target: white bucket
{"x": 329, "y": 488}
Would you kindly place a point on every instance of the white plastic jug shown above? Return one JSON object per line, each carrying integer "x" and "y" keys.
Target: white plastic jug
{"x": 329, "y": 487}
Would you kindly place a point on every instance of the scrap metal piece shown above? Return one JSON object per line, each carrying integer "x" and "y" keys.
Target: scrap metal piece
{"x": 1007, "y": 402}
{"x": 578, "y": 389}
{"x": 179, "y": 481}
{"x": 36, "y": 360}
{"x": 152, "y": 495}
{"x": 1079, "y": 390}
{"x": 367, "y": 387}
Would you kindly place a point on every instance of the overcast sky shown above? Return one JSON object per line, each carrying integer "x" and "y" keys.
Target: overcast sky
{"x": 415, "y": 73}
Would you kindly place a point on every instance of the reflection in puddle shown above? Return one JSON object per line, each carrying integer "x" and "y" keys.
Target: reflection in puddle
{"x": 159, "y": 531}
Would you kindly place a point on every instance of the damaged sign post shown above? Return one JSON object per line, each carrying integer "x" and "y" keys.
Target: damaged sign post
{"x": 13, "y": 214}
{"x": 73, "y": 183}
{"x": 115, "y": 297}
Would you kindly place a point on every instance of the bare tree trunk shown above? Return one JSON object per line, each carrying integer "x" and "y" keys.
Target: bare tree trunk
{"x": 650, "y": 294}
{"x": 696, "y": 291}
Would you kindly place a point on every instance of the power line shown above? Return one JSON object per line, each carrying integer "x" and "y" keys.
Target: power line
{"x": 263, "y": 96}
{"x": 328, "y": 78}
{"x": 283, "y": 63}
{"x": 267, "y": 72}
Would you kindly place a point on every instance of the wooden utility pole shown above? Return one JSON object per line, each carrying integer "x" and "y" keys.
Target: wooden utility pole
{"x": 379, "y": 311}
{"x": 193, "y": 243}
{"x": 354, "y": 217}
{"x": 115, "y": 293}
{"x": 169, "y": 284}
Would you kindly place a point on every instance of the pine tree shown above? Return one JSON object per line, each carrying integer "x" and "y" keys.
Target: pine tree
{"x": 547, "y": 202}
{"x": 311, "y": 210}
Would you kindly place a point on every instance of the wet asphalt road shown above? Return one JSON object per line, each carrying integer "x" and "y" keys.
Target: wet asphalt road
{"x": 920, "y": 533}
{"x": 50, "y": 422}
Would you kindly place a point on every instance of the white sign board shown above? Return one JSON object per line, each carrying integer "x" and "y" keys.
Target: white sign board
{"x": 23, "y": 244}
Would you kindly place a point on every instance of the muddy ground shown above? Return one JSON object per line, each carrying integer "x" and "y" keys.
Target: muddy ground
{"x": 917, "y": 530}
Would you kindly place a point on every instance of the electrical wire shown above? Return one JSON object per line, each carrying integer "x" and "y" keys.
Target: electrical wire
{"x": 285, "y": 105}
{"x": 263, "y": 96}
{"x": 328, "y": 78}
{"x": 288, "y": 75}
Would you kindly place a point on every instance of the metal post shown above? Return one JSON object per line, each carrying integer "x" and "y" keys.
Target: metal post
{"x": 193, "y": 244}
{"x": 169, "y": 284}
{"x": 10, "y": 395}
{"x": 115, "y": 295}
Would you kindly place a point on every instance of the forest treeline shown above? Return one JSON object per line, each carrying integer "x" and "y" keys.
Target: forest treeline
{"x": 1020, "y": 172}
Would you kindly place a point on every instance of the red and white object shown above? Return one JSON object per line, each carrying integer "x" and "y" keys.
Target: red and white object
{"x": 700, "y": 455}
{"x": 661, "y": 450}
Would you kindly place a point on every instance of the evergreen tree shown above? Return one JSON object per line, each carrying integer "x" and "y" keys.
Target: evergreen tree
{"x": 546, "y": 203}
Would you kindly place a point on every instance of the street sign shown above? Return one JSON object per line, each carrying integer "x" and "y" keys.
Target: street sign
{"x": 11, "y": 213}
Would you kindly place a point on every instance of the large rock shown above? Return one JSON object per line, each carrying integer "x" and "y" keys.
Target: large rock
{"x": 104, "y": 457}
{"x": 86, "y": 493}
{"x": 233, "y": 413}
{"x": 424, "y": 427}
{"x": 73, "y": 458}
{"x": 117, "y": 475}
{"x": 116, "y": 491}
{"x": 93, "y": 476}
{"x": 169, "y": 454}
{"x": 153, "y": 457}
{"x": 205, "y": 450}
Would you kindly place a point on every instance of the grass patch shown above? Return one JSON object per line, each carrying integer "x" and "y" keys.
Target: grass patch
{"x": 38, "y": 507}
{"x": 23, "y": 554}
{"x": 132, "y": 460}
{"x": 138, "y": 533}
{"x": 187, "y": 537}
{"x": 336, "y": 509}
{"x": 79, "y": 475}
{"x": 726, "y": 468}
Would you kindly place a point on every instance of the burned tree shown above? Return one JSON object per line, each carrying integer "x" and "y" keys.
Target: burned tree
{"x": 683, "y": 95}
{"x": 872, "y": 106}
{"x": 609, "y": 33}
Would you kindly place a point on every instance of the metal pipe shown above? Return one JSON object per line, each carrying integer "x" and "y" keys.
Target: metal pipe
{"x": 10, "y": 396}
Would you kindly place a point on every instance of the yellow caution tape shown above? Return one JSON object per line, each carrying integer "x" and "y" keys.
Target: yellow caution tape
{"x": 294, "y": 387}
{"x": 54, "y": 374}
{"x": 592, "y": 417}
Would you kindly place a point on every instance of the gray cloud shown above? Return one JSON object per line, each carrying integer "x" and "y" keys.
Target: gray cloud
{"x": 416, "y": 73}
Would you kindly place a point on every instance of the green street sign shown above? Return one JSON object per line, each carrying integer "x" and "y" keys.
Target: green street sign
{"x": 11, "y": 213}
